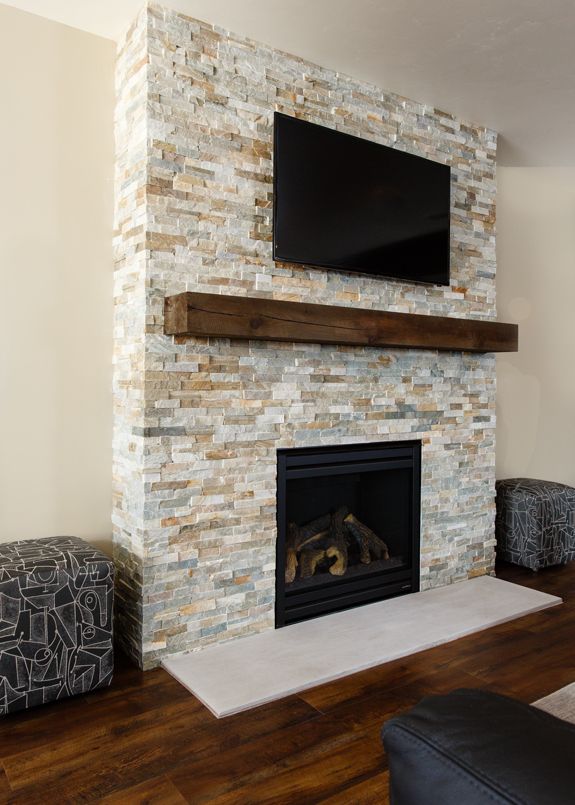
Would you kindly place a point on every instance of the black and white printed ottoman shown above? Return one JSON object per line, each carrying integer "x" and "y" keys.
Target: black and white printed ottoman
{"x": 535, "y": 522}
{"x": 56, "y": 602}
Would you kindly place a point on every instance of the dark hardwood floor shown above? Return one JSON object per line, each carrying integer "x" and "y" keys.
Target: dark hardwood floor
{"x": 146, "y": 739}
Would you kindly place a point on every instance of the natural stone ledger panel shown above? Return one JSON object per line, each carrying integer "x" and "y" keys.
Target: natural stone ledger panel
{"x": 263, "y": 319}
{"x": 197, "y": 420}
{"x": 131, "y": 136}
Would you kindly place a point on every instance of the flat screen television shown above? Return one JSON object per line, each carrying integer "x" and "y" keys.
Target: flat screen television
{"x": 347, "y": 203}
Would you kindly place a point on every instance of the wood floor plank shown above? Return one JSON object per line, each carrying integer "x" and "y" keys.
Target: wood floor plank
{"x": 256, "y": 760}
{"x": 329, "y": 696}
{"x": 70, "y": 718}
{"x": 144, "y": 747}
{"x": 158, "y": 791}
{"x": 425, "y": 677}
{"x": 373, "y": 791}
{"x": 146, "y": 739}
{"x": 310, "y": 779}
{"x": 5, "y": 790}
{"x": 381, "y": 705}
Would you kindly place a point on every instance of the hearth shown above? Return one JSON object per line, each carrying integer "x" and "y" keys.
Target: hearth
{"x": 348, "y": 527}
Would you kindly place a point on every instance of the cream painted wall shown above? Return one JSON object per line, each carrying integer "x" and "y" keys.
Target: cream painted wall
{"x": 536, "y": 289}
{"x": 56, "y": 209}
{"x": 56, "y": 217}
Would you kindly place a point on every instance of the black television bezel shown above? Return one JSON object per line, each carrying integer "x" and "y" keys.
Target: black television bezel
{"x": 348, "y": 269}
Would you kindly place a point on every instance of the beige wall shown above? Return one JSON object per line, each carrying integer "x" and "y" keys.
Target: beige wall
{"x": 56, "y": 214}
{"x": 56, "y": 142}
{"x": 536, "y": 288}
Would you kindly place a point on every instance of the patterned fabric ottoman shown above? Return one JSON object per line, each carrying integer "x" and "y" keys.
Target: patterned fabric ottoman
{"x": 56, "y": 599}
{"x": 535, "y": 522}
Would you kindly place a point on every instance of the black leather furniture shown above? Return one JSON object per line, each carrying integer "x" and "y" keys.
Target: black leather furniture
{"x": 474, "y": 747}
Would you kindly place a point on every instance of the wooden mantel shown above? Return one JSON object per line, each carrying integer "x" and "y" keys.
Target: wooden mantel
{"x": 198, "y": 314}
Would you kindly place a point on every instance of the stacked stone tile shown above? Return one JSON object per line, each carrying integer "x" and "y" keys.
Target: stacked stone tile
{"x": 198, "y": 421}
{"x": 129, "y": 328}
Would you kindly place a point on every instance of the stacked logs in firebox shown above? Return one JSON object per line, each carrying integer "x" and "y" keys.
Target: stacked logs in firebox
{"x": 326, "y": 541}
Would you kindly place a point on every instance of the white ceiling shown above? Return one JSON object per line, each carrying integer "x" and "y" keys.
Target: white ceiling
{"x": 506, "y": 64}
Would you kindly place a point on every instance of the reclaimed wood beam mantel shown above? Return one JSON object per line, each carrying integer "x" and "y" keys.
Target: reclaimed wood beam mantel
{"x": 198, "y": 314}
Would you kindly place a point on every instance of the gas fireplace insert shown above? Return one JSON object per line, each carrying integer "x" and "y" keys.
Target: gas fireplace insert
{"x": 348, "y": 527}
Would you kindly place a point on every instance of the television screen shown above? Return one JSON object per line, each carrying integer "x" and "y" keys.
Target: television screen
{"x": 348, "y": 203}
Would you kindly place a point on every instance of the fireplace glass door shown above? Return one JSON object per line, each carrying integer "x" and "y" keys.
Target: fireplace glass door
{"x": 348, "y": 527}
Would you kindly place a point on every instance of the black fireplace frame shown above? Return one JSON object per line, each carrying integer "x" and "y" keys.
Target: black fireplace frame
{"x": 299, "y": 605}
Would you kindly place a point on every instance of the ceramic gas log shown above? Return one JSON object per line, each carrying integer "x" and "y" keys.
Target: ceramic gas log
{"x": 325, "y": 543}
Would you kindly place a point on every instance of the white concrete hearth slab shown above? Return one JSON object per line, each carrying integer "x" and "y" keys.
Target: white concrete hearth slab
{"x": 244, "y": 673}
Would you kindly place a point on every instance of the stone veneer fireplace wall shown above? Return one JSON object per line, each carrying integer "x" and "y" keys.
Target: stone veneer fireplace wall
{"x": 198, "y": 421}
